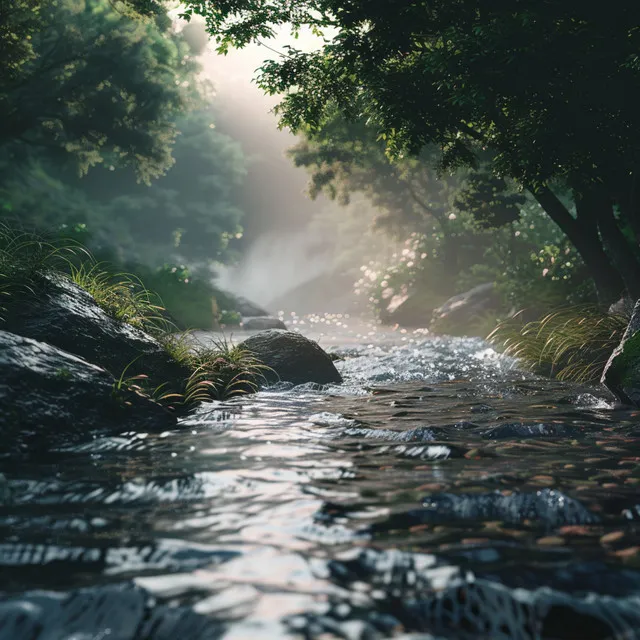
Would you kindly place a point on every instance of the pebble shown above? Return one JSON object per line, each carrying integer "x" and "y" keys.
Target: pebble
{"x": 551, "y": 541}
{"x": 629, "y": 552}
{"x": 612, "y": 537}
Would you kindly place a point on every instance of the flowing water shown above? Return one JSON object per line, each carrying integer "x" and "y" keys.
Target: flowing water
{"x": 440, "y": 492}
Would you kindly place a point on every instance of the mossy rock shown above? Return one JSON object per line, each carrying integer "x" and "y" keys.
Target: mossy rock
{"x": 622, "y": 372}
{"x": 63, "y": 314}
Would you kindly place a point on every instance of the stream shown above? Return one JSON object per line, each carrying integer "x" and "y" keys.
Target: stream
{"x": 440, "y": 492}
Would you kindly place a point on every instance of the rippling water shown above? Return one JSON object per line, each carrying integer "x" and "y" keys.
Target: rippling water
{"x": 440, "y": 492}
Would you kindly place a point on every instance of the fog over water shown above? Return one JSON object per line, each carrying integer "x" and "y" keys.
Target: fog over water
{"x": 278, "y": 252}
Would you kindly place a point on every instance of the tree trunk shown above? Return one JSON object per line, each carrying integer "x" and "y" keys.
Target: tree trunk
{"x": 595, "y": 206}
{"x": 449, "y": 245}
{"x": 627, "y": 197}
{"x": 584, "y": 237}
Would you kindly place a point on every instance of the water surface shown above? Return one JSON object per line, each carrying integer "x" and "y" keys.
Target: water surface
{"x": 440, "y": 492}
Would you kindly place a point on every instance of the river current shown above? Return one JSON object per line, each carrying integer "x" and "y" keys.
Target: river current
{"x": 440, "y": 492}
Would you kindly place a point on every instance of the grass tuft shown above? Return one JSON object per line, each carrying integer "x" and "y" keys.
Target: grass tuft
{"x": 218, "y": 372}
{"x": 572, "y": 343}
{"x": 121, "y": 295}
{"x": 221, "y": 371}
{"x": 25, "y": 257}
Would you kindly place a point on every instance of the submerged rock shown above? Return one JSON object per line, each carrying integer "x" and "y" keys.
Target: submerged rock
{"x": 263, "y": 323}
{"x": 66, "y": 316}
{"x": 292, "y": 358}
{"x": 460, "y": 311}
{"x": 48, "y": 393}
{"x": 422, "y": 594}
{"x": 548, "y": 507}
{"x": 621, "y": 374}
{"x": 533, "y": 430}
{"x": 119, "y": 612}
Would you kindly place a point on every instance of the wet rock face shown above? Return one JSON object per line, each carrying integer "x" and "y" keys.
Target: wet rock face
{"x": 624, "y": 307}
{"x": 622, "y": 372}
{"x": 460, "y": 310}
{"x": 48, "y": 393}
{"x": 118, "y": 612}
{"x": 263, "y": 323}
{"x": 64, "y": 315}
{"x": 292, "y": 357}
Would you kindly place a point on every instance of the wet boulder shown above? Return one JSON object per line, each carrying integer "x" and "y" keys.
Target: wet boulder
{"x": 623, "y": 307}
{"x": 621, "y": 374}
{"x": 47, "y": 394}
{"x": 292, "y": 358}
{"x": 461, "y": 311}
{"x": 328, "y": 292}
{"x": 263, "y": 323}
{"x": 66, "y": 316}
{"x": 412, "y": 310}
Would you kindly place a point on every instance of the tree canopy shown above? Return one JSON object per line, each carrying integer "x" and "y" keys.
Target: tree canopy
{"x": 549, "y": 89}
{"x": 124, "y": 149}
{"x": 112, "y": 84}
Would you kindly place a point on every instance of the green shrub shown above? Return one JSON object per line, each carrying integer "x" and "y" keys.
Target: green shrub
{"x": 228, "y": 318}
{"x": 190, "y": 301}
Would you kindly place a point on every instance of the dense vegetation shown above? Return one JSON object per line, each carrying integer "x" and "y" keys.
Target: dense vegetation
{"x": 458, "y": 230}
{"x": 494, "y": 144}
{"x": 123, "y": 154}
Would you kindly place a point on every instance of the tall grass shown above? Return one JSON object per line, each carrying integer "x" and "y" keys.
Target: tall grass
{"x": 232, "y": 370}
{"x": 572, "y": 343}
{"x": 25, "y": 257}
{"x": 220, "y": 370}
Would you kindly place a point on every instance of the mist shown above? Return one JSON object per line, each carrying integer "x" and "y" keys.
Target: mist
{"x": 278, "y": 251}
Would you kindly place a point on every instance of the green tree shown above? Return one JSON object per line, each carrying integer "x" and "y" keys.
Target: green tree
{"x": 411, "y": 194}
{"x": 92, "y": 84}
{"x": 549, "y": 89}
{"x": 188, "y": 215}
{"x": 19, "y": 19}
{"x": 132, "y": 78}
